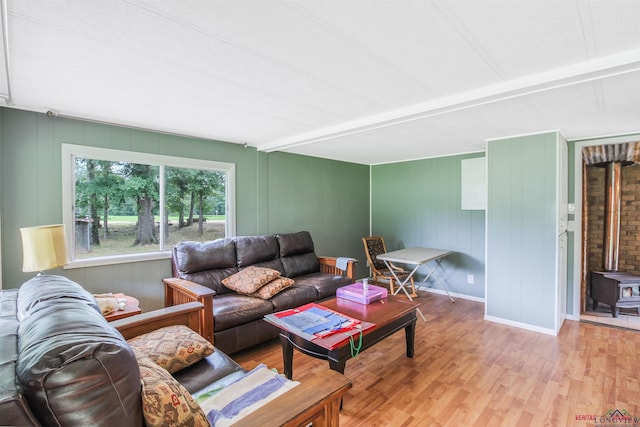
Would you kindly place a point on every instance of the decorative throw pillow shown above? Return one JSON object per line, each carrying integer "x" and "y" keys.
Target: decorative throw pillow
{"x": 250, "y": 279}
{"x": 164, "y": 400}
{"x": 273, "y": 287}
{"x": 172, "y": 347}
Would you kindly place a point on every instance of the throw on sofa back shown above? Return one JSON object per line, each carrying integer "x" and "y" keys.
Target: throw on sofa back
{"x": 206, "y": 263}
{"x": 298, "y": 254}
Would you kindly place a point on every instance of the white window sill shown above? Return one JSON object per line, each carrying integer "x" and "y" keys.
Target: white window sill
{"x": 119, "y": 259}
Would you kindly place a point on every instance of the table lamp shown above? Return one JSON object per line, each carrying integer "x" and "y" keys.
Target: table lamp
{"x": 43, "y": 248}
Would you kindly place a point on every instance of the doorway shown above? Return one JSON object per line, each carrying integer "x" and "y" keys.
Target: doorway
{"x": 610, "y": 223}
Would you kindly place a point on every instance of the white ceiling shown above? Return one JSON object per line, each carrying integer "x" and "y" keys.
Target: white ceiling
{"x": 365, "y": 81}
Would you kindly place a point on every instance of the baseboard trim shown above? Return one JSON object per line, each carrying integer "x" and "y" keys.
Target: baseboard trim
{"x": 520, "y": 325}
{"x": 453, "y": 294}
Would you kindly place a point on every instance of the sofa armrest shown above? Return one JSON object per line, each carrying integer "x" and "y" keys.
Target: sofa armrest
{"x": 184, "y": 314}
{"x": 316, "y": 400}
{"x": 328, "y": 265}
{"x": 180, "y": 291}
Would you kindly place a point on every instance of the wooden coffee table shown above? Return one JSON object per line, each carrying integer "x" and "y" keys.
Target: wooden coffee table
{"x": 389, "y": 316}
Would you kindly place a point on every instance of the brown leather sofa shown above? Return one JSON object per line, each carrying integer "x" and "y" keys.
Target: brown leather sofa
{"x": 236, "y": 321}
{"x": 63, "y": 364}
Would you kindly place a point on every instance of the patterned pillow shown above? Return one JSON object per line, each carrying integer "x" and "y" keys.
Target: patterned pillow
{"x": 273, "y": 287}
{"x": 172, "y": 347}
{"x": 164, "y": 400}
{"x": 250, "y": 279}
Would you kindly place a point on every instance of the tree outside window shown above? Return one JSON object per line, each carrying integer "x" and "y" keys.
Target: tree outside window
{"x": 120, "y": 209}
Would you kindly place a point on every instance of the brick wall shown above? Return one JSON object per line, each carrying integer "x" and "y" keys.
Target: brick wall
{"x": 629, "y": 253}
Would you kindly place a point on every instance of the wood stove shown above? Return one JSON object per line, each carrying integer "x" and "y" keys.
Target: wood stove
{"x": 618, "y": 290}
{"x": 609, "y": 286}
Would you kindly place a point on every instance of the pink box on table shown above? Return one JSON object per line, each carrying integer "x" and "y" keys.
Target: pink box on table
{"x": 356, "y": 292}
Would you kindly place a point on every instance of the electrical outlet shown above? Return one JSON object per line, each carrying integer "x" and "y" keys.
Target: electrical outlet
{"x": 470, "y": 279}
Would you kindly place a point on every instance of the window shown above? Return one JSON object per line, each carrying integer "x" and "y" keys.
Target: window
{"x": 122, "y": 206}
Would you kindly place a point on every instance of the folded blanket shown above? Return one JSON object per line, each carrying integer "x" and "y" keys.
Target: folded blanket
{"x": 249, "y": 392}
{"x": 342, "y": 262}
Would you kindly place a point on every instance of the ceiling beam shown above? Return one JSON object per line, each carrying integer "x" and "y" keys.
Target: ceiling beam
{"x": 583, "y": 72}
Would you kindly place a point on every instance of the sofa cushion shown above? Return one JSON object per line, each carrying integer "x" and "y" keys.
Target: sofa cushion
{"x": 294, "y": 296}
{"x": 72, "y": 366}
{"x": 164, "y": 400}
{"x": 212, "y": 279}
{"x": 325, "y": 285}
{"x": 206, "y": 263}
{"x": 273, "y": 287}
{"x": 259, "y": 251}
{"x": 42, "y": 290}
{"x": 249, "y": 334}
{"x": 207, "y": 371}
{"x": 295, "y": 243}
{"x": 172, "y": 347}
{"x": 233, "y": 309}
{"x": 297, "y": 254}
{"x": 299, "y": 265}
{"x": 192, "y": 257}
{"x": 250, "y": 279}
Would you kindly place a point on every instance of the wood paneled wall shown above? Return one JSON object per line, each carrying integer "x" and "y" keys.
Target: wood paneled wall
{"x": 418, "y": 203}
{"x": 275, "y": 193}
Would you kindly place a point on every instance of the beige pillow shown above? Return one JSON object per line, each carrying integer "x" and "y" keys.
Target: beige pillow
{"x": 250, "y": 279}
{"x": 165, "y": 402}
{"x": 273, "y": 287}
{"x": 172, "y": 347}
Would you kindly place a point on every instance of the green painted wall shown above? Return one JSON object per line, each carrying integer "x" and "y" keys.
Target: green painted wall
{"x": 269, "y": 189}
{"x": 414, "y": 203}
{"x": 418, "y": 203}
{"x": 326, "y": 197}
{"x": 521, "y": 229}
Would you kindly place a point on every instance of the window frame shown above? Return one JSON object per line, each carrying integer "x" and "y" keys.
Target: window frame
{"x": 71, "y": 151}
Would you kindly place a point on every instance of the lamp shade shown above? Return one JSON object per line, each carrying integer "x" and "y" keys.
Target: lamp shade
{"x": 43, "y": 247}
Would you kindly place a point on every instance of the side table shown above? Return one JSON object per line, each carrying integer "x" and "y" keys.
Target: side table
{"x": 131, "y": 309}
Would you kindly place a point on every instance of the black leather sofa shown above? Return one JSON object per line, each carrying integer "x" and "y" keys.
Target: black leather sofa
{"x": 62, "y": 364}
{"x": 236, "y": 321}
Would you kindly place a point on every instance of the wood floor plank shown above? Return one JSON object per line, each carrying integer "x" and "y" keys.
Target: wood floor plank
{"x": 470, "y": 372}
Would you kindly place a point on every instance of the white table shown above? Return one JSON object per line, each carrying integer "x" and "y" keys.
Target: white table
{"x": 417, "y": 257}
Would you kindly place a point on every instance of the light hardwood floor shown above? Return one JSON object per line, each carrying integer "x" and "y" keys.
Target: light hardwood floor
{"x": 470, "y": 372}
